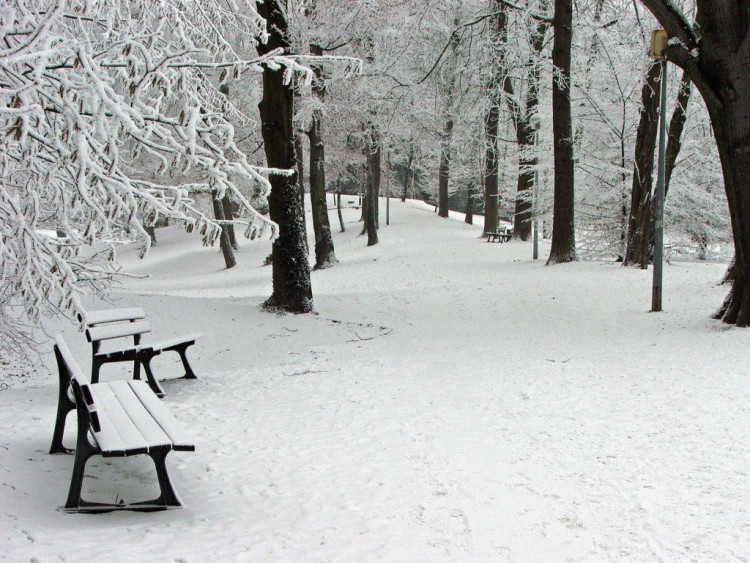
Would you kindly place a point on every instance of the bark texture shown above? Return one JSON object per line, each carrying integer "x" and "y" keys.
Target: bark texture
{"x": 226, "y": 205}
{"x": 491, "y": 121}
{"x": 338, "y": 209}
{"x": 446, "y": 140}
{"x": 292, "y": 291}
{"x": 640, "y": 220}
{"x": 325, "y": 255}
{"x": 469, "y": 218}
{"x": 676, "y": 127}
{"x": 408, "y": 171}
{"x": 563, "y": 247}
{"x": 444, "y": 169}
{"x": 369, "y": 206}
{"x": 224, "y": 242}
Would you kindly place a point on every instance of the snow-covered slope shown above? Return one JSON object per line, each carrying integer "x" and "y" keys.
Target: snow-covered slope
{"x": 450, "y": 400}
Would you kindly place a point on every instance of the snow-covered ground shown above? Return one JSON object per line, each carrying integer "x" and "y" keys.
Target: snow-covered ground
{"x": 451, "y": 400}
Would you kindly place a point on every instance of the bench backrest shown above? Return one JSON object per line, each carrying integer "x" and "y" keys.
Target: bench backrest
{"x": 72, "y": 378}
{"x": 93, "y": 318}
{"x": 110, "y": 331}
{"x": 67, "y": 366}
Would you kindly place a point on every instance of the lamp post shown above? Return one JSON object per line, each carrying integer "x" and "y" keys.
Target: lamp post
{"x": 659, "y": 51}
{"x": 535, "y": 125}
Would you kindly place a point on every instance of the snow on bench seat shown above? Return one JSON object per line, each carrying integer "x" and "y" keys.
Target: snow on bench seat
{"x": 132, "y": 420}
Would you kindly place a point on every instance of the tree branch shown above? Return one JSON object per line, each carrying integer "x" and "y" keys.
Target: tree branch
{"x": 682, "y": 36}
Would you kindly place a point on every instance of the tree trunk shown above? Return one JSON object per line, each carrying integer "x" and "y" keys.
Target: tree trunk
{"x": 494, "y": 85}
{"x": 451, "y": 68}
{"x": 729, "y": 275}
{"x": 299, "y": 155}
{"x": 525, "y": 184}
{"x": 226, "y": 205}
{"x": 408, "y": 173}
{"x": 676, "y": 126}
{"x": 324, "y": 251}
{"x": 733, "y": 140}
{"x": 491, "y": 165}
{"x": 292, "y": 291}
{"x": 469, "y": 219}
{"x": 224, "y": 242}
{"x": 338, "y": 208}
{"x": 716, "y": 58}
{"x": 563, "y": 248}
{"x": 640, "y": 220}
{"x": 521, "y": 113}
{"x": 150, "y": 230}
{"x": 444, "y": 168}
{"x": 373, "y": 185}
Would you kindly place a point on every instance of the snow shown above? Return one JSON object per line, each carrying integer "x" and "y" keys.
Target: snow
{"x": 451, "y": 400}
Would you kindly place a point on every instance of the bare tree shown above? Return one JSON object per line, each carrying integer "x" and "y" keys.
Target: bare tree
{"x": 325, "y": 255}
{"x": 292, "y": 291}
{"x": 640, "y": 220}
{"x": 714, "y": 53}
{"x": 563, "y": 247}
{"x": 372, "y": 186}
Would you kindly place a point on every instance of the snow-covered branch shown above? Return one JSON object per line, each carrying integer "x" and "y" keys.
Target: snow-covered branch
{"x": 92, "y": 94}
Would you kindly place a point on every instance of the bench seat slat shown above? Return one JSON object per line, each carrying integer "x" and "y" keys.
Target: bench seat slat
{"x": 139, "y": 415}
{"x": 107, "y": 332}
{"x": 91, "y": 318}
{"x": 180, "y": 439}
{"x": 118, "y": 434}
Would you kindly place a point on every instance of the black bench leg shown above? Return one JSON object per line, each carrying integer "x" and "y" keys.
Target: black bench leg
{"x": 182, "y": 351}
{"x": 152, "y": 382}
{"x": 168, "y": 496}
{"x": 84, "y": 451}
{"x": 64, "y": 406}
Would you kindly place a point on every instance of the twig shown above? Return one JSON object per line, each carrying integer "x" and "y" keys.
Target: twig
{"x": 370, "y": 337}
{"x": 304, "y": 372}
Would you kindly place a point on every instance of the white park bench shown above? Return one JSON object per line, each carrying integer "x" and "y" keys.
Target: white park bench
{"x": 115, "y": 419}
{"x": 116, "y": 324}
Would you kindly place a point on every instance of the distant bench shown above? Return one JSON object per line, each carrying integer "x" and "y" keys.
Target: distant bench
{"x": 111, "y": 324}
{"x": 502, "y": 234}
{"x": 116, "y": 419}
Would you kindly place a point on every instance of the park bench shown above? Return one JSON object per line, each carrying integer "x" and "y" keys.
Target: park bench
{"x": 115, "y": 324}
{"x": 502, "y": 234}
{"x": 115, "y": 419}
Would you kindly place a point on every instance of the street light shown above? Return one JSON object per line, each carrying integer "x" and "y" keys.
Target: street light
{"x": 658, "y": 51}
{"x": 535, "y": 125}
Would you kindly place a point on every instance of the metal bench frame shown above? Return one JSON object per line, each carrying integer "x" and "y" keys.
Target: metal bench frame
{"x": 131, "y": 322}
{"x": 73, "y": 381}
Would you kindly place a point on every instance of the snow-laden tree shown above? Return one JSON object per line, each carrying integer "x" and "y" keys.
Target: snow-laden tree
{"x": 92, "y": 94}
